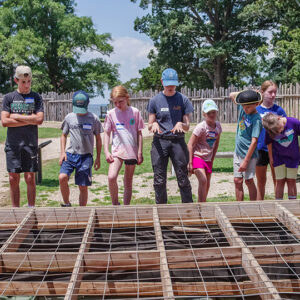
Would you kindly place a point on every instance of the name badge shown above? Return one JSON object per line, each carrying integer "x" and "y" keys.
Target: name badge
{"x": 87, "y": 126}
{"x": 164, "y": 109}
{"x": 120, "y": 126}
{"x": 29, "y": 100}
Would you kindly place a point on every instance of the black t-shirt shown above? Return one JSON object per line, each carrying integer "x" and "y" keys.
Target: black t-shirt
{"x": 169, "y": 111}
{"x": 24, "y": 104}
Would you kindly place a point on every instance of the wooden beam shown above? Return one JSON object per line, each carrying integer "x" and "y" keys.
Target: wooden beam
{"x": 164, "y": 269}
{"x": 141, "y": 223}
{"x": 149, "y": 259}
{"x": 73, "y": 287}
{"x": 15, "y": 240}
{"x": 122, "y": 260}
{"x": 249, "y": 262}
{"x": 146, "y": 289}
{"x": 288, "y": 219}
{"x": 63, "y": 262}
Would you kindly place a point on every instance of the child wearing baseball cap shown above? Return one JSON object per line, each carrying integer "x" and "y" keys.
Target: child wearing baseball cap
{"x": 82, "y": 126}
{"x": 246, "y": 152}
{"x": 203, "y": 146}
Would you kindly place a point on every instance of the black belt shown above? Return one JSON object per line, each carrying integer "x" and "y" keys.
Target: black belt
{"x": 168, "y": 137}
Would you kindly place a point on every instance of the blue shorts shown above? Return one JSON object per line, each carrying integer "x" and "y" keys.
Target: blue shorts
{"x": 82, "y": 163}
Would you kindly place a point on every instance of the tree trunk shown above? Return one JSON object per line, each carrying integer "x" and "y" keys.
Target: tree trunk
{"x": 219, "y": 72}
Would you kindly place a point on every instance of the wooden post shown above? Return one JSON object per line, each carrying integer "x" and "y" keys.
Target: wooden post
{"x": 288, "y": 219}
{"x": 164, "y": 269}
{"x": 74, "y": 284}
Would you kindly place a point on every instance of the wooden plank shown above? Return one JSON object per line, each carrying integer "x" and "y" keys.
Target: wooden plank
{"x": 145, "y": 289}
{"x": 164, "y": 270}
{"x": 288, "y": 219}
{"x": 38, "y": 261}
{"x": 13, "y": 242}
{"x": 120, "y": 224}
{"x": 57, "y": 288}
{"x": 72, "y": 291}
{"x": 149, "y": 259}
{"x": 249, "y": 262}
{"x": 122, "y": 260}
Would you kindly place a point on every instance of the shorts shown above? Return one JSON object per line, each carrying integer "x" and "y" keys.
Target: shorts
{"x": 250, "y": 171}
{"x": 263, "y": 158}
{"x": 21, "y": 159}
{"x": 130, "y": 162}
{"x": 82, "y": 163}
{"x": 199, "y": 163}
{"x": 282, "y": 172}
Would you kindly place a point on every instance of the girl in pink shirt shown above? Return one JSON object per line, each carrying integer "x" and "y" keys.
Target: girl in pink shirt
{"x": 125, "y": 124}
{"x": 203, "y": 146}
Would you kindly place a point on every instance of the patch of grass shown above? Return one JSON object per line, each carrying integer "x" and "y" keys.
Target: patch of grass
{"x": 172, "y": 178}
{"x": 49, "y": 185}
{"x": 96, "y": 200}
{"x": 44, "y": 133}
{"x": 223, "y": 180}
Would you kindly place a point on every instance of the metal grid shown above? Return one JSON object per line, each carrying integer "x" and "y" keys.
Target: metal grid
{"x": 210, "y": 250}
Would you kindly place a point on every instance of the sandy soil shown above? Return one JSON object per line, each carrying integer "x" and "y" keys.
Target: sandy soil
{"x": 221, "y": 183}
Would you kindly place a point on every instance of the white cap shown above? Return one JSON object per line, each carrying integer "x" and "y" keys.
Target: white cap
{"x": 22, "y": 72}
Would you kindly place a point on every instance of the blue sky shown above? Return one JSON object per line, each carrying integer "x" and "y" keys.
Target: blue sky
{"x": 117, "y": 18}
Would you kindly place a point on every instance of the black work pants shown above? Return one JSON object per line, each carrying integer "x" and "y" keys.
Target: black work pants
{"x": 177, "y": 150}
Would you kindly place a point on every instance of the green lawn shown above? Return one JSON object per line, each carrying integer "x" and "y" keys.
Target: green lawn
{"x": 43, "y": 133}
{"x": 220, "y": 165}
{"x": 51, "y": 168}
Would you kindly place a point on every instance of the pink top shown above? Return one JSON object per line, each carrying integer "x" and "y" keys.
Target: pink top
{"x": 124, "y": 126}
{"x": 207, "y": 137}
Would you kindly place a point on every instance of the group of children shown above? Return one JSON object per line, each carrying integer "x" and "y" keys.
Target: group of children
{"x": 265, "y": 135}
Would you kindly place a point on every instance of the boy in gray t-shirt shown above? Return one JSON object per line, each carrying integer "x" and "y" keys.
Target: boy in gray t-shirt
{"x": 82, "y": 127}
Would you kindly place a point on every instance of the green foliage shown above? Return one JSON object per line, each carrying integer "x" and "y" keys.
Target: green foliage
{"x": 284, "y": 47}
{"x": 49, "y": 37}
{"x": 207, "y": 42}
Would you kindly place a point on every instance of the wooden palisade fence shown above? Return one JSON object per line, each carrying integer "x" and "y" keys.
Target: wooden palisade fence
{"x": 288, "y": 96}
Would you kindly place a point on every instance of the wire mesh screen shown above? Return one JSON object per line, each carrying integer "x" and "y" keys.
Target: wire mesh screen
{"x": 188, "y": 251}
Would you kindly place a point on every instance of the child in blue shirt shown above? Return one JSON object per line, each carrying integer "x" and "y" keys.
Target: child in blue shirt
{"x": 268, "y": 90}
{"x": 248, "y": 131}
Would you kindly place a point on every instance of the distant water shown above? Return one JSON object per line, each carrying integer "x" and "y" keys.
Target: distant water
{"x": 96, "y": 108}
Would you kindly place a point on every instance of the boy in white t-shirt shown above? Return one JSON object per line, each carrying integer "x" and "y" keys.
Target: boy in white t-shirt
{"x": 203, "y": 146}
{"x": 125, "y": 123}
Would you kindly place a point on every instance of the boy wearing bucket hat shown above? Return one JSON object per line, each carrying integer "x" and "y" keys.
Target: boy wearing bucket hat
{"x": 83, "y": 126}
{"x": 248, "y": 131}
{"x": 22, "y": 112}
{"x": 169, "y": 119}
{"x": 203, "y": 146}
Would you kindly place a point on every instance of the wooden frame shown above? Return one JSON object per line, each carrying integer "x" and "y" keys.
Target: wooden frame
{"x": 252, "y": 259}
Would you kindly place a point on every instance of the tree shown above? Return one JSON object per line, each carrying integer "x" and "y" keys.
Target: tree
{"x": 49, "y": 37}
{"x": 282, "y": 56}
{"x": 206, "y": 41}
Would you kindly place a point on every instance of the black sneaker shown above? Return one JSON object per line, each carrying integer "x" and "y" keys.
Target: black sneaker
{"x": 65, "y": 205}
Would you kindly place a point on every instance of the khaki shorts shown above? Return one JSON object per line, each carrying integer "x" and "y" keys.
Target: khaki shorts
{"x": 250, "y": 171}
{"x": 282, "y": 172}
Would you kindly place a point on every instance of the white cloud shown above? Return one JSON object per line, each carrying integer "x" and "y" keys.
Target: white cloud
{"x": 130, "y": 53}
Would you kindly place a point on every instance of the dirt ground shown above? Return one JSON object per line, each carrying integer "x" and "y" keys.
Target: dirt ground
{"x": 221, "y": 183}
